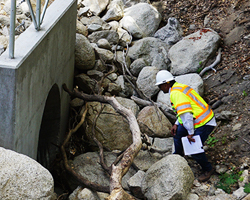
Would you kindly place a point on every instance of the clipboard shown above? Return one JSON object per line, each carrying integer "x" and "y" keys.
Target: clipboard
{"x": 193, "y": 148}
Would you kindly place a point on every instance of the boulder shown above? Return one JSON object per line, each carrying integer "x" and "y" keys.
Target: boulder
{"x": 137, "y": 66}
{"x": 81, "y": 29}
{"x": 124, "y": 37}
{"x": 134, "y": 184}
{"x": 127, "y": 89}
{"x": 112, "y": 130}
{"x": 84, "y": 53}
{"x": 89, "y": 167}
{"x": 163, "y": 145}
{"x": 151, "y": 158}
{"x": 114, "y": 11}
{"x": 192, "y": 52}
{"x": 112, "y": 36}
{"x": 104, "y": 54}
{"x": 146, "y": 81}
{"x": 169, "y": 178}
{"x": 141, "y": 20}
{"x": 96, "y": 6}
{"x": 152, "y": 50}
{"x": 24, "y": 178}
{"x": 171, "y": 33}
{"x": 86, "y": 84}
{"x": 235, "y": 35}
{"x": 154, "y": 123}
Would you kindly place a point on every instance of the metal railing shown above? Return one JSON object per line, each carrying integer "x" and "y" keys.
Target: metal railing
{"x": 37, "y": 21}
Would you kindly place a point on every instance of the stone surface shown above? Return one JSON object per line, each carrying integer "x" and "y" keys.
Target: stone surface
{"x": 84, "y": 53}
{"x": 141, "y": 20}
{"x": 89, "y": 167}
{"x": 194, "y": 51}
{"x": 24, "y": 178}
{"x": 169, "y": 178}
{"x": 154, "y": 123}
{"x": 112, "y": 129}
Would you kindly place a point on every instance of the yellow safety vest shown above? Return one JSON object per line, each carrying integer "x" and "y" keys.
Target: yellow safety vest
{"x": 185, "y": 99}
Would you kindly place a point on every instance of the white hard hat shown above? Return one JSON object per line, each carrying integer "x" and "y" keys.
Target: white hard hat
{"x": 163, "y": 76}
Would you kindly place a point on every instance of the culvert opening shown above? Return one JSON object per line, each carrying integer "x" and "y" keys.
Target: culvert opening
{"x": 48, "y": 144}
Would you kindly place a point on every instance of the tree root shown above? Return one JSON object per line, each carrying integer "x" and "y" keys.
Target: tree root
{"x": 85, "y": 182}
{"x": 130, "y": 153}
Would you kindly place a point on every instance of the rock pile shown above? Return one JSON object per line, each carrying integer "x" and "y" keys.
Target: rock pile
{"x": 120, "y": 47}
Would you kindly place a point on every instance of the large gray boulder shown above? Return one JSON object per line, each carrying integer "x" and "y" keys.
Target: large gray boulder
{"x": 146, "y": 81}
{"x": 141, "y": 20}
{"x": 163, "y": 145}
{"x": 152, "y": 50}
{"x": 112, "y": 129}
{"x": 134, "y": 184}
{"x": 169, "y": 178}
{"x": 114, "y": 11}
{"x": 137, "y": 66}
{"x": 96, "y": 6}
{"x": 84, "y": 53}
{"x": 111, "y": 36}
{"x": 24, "y": 178}
{"x": 151, "y": 158}
{"x": 171, "y": 33}
{"x": 88, "y": 166}
{"x": 193, "y": 51}
{"x": 154, "y": 123}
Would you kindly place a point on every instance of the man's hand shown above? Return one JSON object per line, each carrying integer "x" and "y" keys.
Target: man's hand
{"x": 190, "y": 138}
{"x": 173, "y": 129}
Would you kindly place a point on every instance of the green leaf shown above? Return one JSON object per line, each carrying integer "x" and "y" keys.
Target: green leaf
{"x": 247, "y": 188}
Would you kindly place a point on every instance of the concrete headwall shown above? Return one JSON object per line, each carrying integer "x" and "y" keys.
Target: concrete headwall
{"x": 43, "y": 59}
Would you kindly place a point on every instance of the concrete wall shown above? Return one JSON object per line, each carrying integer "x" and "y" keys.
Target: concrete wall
{"x": 43, "y": 59}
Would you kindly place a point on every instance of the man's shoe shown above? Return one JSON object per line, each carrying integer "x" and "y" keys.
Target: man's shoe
{"x": 206, "y": 176}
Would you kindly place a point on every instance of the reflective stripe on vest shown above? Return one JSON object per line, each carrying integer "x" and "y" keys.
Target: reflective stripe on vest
{"x": 183, "y": 107}
{"x": 204, "y": 116}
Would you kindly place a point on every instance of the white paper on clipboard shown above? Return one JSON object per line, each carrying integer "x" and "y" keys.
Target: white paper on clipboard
{"x": 193, "y": 148}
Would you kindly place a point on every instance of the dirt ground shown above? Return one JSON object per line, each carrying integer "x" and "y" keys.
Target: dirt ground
{"x": 229, "y": 86}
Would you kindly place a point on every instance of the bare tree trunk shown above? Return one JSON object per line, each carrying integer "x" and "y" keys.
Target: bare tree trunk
{"x": 119, "y": 170}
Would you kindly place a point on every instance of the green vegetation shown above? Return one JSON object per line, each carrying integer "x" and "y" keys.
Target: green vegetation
{"x": 247, "y": 188}
{"x": 199, "y": 70}
{"x": 241, "y": 179}
{"x": 227, "y": 180}
{"x": 211, "y": 141}
{"x": 244, "y": 93}
{"x": 224, "y": 139}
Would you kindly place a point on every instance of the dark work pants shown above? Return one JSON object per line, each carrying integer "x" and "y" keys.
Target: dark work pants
{"x": 200, "y": 158}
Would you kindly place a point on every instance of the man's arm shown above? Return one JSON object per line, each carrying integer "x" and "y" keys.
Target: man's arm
{"x": 188, "y": 123}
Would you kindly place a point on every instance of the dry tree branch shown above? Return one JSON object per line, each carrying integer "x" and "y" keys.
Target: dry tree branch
{"x": 119, "y": 170}
{"x": 167, "y": 112}
{"x": 84, "y": 181}
{"x": 217, "y": 60}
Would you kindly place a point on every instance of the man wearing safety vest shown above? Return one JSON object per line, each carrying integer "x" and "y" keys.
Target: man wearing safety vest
{"x": 194, "y": 117}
